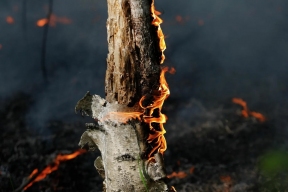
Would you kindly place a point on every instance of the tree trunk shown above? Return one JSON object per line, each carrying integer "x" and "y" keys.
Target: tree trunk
{"x": 133, "y": 71}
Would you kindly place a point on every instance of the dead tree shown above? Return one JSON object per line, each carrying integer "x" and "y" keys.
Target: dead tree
{"x": 128, "y": 130}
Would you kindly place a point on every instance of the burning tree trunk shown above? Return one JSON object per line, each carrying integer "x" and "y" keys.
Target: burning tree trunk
{"x": 129, "y": 123}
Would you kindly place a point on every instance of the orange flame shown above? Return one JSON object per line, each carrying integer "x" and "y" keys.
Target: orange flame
{"x": 123, "y": 116}
{"x": 181, "y": 174}
{"x": 156, "y": 22}
{"x": 246, "y": 112}
{"x": 9, "y": 20}
{"x": 53, "y": 20}
{"x": 156, "y": 134}
{"x": 52, "y": 167}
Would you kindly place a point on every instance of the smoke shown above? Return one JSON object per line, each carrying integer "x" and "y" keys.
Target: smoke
{"x": 220, "y": 49}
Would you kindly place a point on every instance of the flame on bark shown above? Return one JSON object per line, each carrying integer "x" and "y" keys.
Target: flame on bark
{"x": 156, "y": 22}
{"x": 151, "y": 114}
{"x": 246, "y": 112}
{"x": 52, "y": 167}
{"x": 53, "y": 20}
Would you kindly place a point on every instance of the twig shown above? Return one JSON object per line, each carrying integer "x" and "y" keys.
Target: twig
{"x": 44, "y": 42}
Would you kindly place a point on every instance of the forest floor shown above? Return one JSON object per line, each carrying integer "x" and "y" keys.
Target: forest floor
{"x": 212, "y": 150}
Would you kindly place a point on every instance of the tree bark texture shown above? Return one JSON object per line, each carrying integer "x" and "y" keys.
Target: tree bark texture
{"x": 134, "y": 55}
{"x": 133, "y": 71}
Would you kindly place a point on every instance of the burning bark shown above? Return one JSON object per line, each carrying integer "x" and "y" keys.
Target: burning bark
{"x": 129, "y": 128}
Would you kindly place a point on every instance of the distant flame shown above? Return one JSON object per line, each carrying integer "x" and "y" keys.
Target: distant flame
{"x": 227, "y": 181}
{"x": 246, "y": 112}
{"x": 181, "y": 174}
{"x": 1, "y": 46}
{"x": 52, "y": 167}
{"x": 53, "y": 20}
{"x": 9, "y": 20}
{"x": 156, "y": 22}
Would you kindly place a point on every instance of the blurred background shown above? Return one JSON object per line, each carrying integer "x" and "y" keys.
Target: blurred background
{"x": 220, "y": 50}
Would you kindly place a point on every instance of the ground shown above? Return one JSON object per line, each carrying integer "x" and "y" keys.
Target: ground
{"x": 213, "y": 149}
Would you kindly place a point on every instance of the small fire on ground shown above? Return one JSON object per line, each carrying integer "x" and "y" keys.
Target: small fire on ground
{"x": 53, "y": 20}
{"x": 181, "y": 174}
{"x": 52, "y": 167}
{"x": 246, "y": 112}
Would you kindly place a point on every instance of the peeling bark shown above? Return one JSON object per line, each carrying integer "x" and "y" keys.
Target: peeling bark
{"x": 133, "y": 70}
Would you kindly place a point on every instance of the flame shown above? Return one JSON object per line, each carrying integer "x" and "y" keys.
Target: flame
{"x": 156, "y": 22}
{"x": 156, "y": 134}
{"x": 246, "y": 112}
{"x": 9, "y": 20}
{"x": 1, "y": 46}
{"x": 123, "y": 116}
{"x": 42, "y": 22}
{"x": 52, "y": 167}
{"x": 180, "y": 175}
{"x": 53, "y": 20}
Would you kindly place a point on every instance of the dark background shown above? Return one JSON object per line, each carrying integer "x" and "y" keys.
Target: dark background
{"x": 220, "y": 49}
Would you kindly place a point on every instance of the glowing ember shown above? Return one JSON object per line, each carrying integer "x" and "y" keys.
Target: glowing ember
{"x": 179, "y": 19}
{"x": 53, "y": 20}
{"x": 180, "y": 175}
{"x": 156, "y": 22}
{"x": 42, "y": 22}
{"x": 200, "y": 22}
{"x": 226, "y": 179}
{"x": 246, "y": 112}
{"x": 9, "y": 20}
{"x": 52, "y": 167}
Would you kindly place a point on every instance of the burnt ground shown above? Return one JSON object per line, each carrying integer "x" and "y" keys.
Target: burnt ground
{"x": 217, "y": 149}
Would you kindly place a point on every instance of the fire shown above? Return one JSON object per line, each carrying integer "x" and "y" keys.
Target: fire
{"x": 52, "y": 167}
{"x": 123, "y": 116}
{"x": 181, "y": 174}
{"x": 156, "y": 22}
{"x": 53, "y": 20}
{"x": 1, "y": 46}
{"x": 179, "y": 19}
{"x": 156, "y": 134}
{"x": 9, "y": 20}
{"x": 246, "y": 112}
